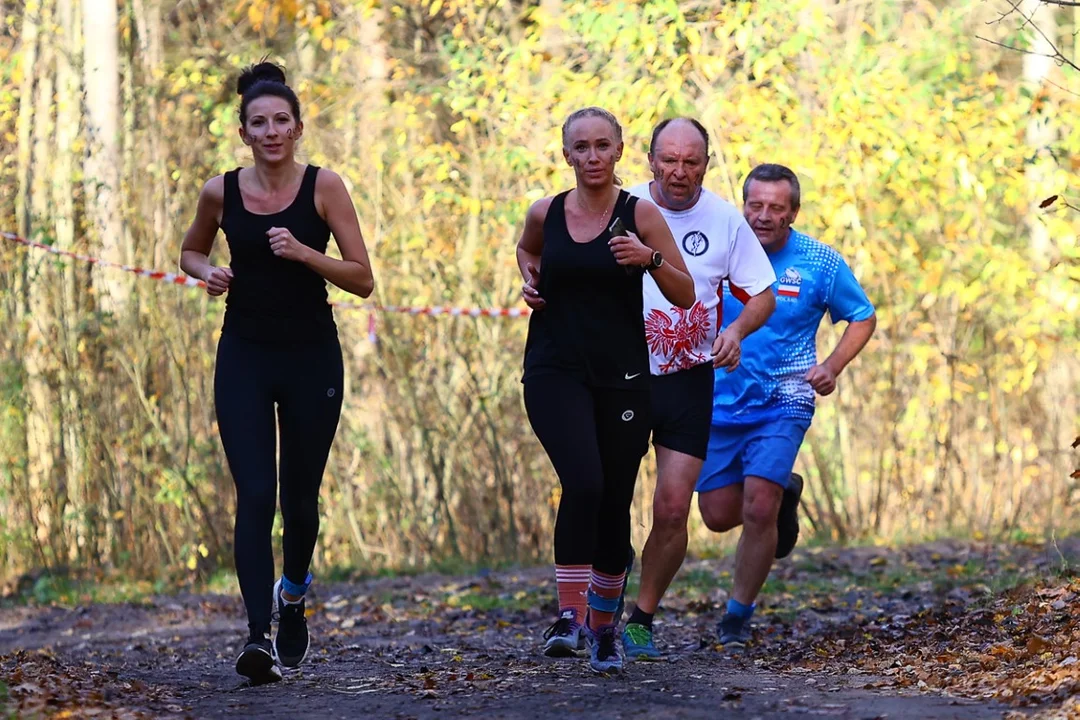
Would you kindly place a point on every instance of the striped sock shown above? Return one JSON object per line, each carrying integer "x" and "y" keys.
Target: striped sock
{"x": 573, "y": 583}
{"x": 608, "y": 588}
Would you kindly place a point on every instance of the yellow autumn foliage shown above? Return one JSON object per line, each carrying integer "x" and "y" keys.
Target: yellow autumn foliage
{"x": 909, "y": 135}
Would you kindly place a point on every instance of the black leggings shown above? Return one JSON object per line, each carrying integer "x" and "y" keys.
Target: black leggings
{"x": 595, "y": 438}
{"x": 305, "y": 383}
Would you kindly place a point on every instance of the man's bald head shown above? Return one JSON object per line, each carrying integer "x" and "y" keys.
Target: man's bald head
{"x": 677, "y": 122}
{"x": 678, "y": 158}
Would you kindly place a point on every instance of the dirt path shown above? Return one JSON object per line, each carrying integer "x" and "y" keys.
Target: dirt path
{"x": 434, "y": 647}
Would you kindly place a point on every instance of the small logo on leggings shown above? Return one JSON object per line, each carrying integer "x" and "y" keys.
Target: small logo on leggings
{"x": 628, "y": 416}
{"x": 331, "y": 392}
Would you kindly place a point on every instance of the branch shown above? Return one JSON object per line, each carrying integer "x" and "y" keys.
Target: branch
{"x": 1057, "y": 56}
{"x": 1013, "y": 47}
{"x": 1064, "y": 89}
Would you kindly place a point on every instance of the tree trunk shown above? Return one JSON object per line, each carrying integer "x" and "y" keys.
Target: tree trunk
{"x": 24, "y": 216}
{"x": 150, "y": 29}
{"x": 73, "y": 427}
{"x": 1040, "y": 128}
{"x": 43, "y": 447}
{"x": 101, "y": 72}
{"x": 30, "y": 30}
{"x": 372, "y": 75}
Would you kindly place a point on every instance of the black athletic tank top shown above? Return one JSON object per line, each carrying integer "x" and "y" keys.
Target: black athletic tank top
{"x": 592, "y": 325}
{"x": 271, "y": 299}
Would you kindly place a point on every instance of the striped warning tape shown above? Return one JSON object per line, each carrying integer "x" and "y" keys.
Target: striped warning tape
{"x": 178, "y": 279}
{"x": 167, "y": 277}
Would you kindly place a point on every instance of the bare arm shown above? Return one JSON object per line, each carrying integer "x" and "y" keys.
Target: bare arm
{"x": 854, "y": 339}
{"x": 822, "y": 377}
{"x": 756, "y": 313}
{"x": 727, "y": 348}
{"x": 199, "y": 239}
{"x": 529, "y": 248}
{"x": 672, "y": 277}
{"x": 353, "y": 272}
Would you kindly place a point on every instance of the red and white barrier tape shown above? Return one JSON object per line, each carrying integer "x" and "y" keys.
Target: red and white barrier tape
{"x": 173, "y": 278}
{"x": 178, "y": 279}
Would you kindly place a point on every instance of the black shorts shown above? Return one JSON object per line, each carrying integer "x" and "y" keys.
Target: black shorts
{"x": 682, "y": 404}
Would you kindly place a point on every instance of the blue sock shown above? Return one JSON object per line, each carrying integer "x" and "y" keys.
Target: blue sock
{"x": 743, "y": 612}
{"x": 295, "y": 589}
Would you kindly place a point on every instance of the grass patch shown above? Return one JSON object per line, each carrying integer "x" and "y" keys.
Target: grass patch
{"x": 67, "y": 591}
{"x": 222, "y": 582}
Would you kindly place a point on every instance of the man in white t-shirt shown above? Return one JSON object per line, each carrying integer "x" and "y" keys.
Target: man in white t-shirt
{"x": 685, "y": 347}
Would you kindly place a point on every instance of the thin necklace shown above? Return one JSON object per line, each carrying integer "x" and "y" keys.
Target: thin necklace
{"x": 581, "y": 204}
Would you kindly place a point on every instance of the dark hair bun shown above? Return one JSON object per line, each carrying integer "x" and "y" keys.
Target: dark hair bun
{"x": 252, "y": 74}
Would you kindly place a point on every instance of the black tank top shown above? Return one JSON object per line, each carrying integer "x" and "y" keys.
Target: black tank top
{"x": 592, "y": 325}
{"x": 271, "y": 299}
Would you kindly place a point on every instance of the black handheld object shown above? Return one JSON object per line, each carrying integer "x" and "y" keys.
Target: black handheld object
{"x": 617, "y": 229}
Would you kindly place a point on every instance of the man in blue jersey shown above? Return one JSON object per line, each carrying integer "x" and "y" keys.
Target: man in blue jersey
{"x": 763, "y": 408}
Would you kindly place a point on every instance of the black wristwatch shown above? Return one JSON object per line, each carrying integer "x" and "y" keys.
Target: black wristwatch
{"x": 656, "y": 261}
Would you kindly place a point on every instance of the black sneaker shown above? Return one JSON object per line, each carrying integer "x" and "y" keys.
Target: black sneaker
{"x": 787, "y": 522}
{"x": 733, "y": 632}
{"x": 291, "y": 642}
{"x": 256, "y": 661}
{"x": 626, "y": 580}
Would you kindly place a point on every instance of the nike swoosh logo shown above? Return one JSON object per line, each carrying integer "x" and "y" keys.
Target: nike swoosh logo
{"x": 628, "y": 376}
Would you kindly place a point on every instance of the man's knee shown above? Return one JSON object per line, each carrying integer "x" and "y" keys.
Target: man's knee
{"x": 671, "y": 508}
{"x": 761, "y": 505}
{"x": 721, "y": 510}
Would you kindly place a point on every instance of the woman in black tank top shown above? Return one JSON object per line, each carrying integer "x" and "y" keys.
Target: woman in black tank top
{"x": 587, "y": 370}
{"x": 278, "y": 352}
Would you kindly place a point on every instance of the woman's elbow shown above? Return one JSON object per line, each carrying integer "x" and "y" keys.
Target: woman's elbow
{"x": 685, "y": 297}
{"x": 186, "y": 266}
{"x": 366, "y": 286}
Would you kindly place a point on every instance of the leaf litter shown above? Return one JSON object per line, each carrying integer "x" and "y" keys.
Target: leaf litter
{"x": 982, "y": 628}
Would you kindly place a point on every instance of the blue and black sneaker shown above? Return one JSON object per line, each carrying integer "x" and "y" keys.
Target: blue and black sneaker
{"x": 292, "y": 640}
{"x": 733, "y": 631}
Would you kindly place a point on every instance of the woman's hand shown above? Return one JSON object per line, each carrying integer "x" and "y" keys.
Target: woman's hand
{"x": 285, "y": 246}
{"x": 217, "y": 281}
{"x": 629, "y": 250}
{"x": 528, "y": 290}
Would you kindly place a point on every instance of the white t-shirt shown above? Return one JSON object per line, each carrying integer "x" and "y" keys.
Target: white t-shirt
{"x": 716, "y": 243}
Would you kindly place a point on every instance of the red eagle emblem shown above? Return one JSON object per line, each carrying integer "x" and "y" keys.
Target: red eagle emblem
{"x": 678, "y": 340}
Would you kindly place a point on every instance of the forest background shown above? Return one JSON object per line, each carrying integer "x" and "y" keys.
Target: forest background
{"x": 925, "y": 149}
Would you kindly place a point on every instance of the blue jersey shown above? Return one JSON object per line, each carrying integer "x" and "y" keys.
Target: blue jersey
{"x": 770, "y": 382}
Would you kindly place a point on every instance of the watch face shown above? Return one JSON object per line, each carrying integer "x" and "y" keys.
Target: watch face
{"x": 657, "y": 259}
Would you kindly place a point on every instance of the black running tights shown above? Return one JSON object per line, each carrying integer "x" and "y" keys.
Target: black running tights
{"x": 595, "y": 439}
{"x": 304, "y": 384}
